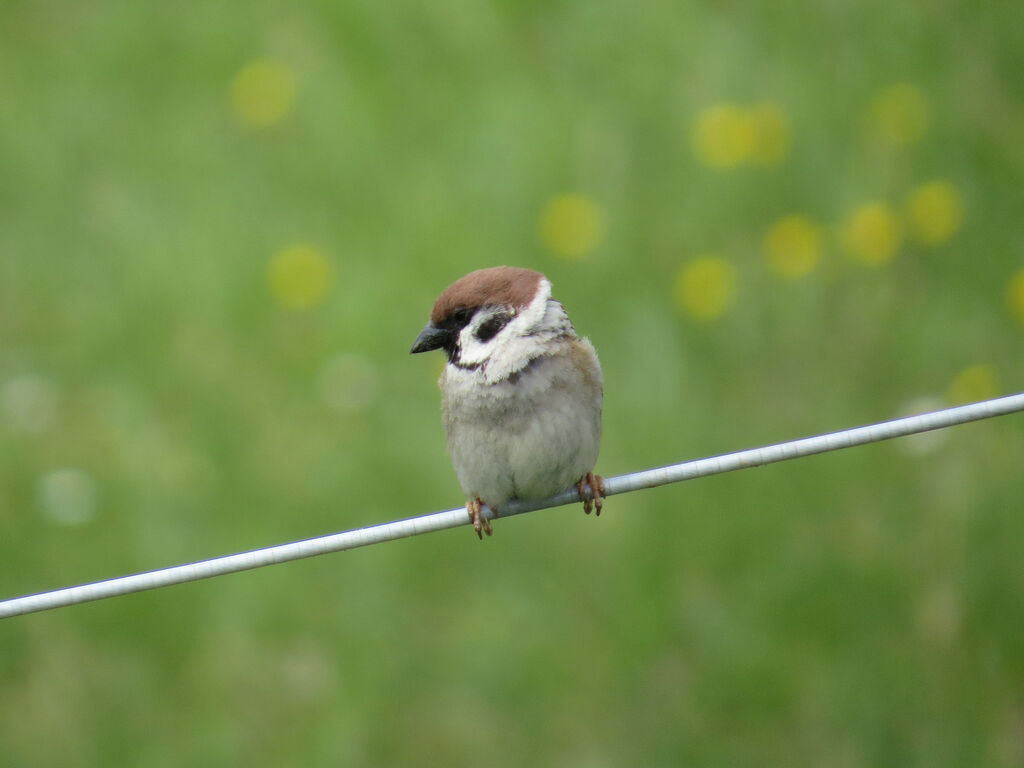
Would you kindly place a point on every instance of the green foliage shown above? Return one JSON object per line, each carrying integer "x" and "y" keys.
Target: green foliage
{"x": 222, "y": 226}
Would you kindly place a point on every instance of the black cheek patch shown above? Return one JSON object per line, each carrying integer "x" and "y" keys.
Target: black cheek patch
{"x": 489, "y": 328}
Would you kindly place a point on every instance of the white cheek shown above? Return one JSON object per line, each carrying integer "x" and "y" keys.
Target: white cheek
{"x": 513, "y": 346}
{"x": 471, "y": 350}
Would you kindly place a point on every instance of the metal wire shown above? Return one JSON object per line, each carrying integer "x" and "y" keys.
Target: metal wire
{"x": 453, "y": 518}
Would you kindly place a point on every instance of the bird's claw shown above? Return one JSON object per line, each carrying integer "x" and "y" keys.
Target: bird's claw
{"x": 480, "y": 523}
{"x": 595, "y": 484}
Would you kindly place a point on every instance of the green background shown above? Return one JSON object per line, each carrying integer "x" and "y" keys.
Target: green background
{"x": 860, "y": 608}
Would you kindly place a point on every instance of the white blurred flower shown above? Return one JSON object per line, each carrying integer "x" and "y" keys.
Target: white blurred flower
{"x": 29, "y": 403}
{"x": 349, "y": 382}
{"x": 68, "y": 496}
{"x": 939, "y": 614}
{"x": 924, "y": 443}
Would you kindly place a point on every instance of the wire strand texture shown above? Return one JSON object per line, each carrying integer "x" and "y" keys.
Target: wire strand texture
{"x": 453, "y": 518}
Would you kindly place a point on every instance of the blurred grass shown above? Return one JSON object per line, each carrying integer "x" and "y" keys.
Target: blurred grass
{"x": 860, "y": 608}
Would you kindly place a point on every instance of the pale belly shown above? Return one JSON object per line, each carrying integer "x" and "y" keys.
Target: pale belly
{"x": 526, "y": 440}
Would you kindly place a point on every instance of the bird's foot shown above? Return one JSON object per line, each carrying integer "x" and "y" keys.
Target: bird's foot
{"x": 480, "y": 523}
{"x": 595, "y": 483}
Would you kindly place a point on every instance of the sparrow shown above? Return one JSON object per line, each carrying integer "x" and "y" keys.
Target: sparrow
{"x": 521, "y": 393}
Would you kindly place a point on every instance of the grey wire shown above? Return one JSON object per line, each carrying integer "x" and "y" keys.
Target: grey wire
{"x": 453, "y": 518}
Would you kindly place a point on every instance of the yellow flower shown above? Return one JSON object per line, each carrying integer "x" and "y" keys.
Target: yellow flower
{"x": 899, "y": 114}
{"x": 871, "y": 234}
{"x": 1015, "y": 295}
{"x": 299, "y": 276}
{"x": 705, "y": 288}
{"x": 934, "y": 212}
{"x": 724, "y": 136}
{"x": 263, "y": 92}
{"x": 792, "y": 247}
{"x": 771, "y": 134}
{"x": 978, "y": 382}
{"x": 571, "y": 226}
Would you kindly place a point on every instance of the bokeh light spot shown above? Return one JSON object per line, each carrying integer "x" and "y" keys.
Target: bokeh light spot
{"x": 1015, "y": 295}
{"x": 300, "y": 276}
{"x": 29, "y": 403}
{"x": 899, "y": 114}
{"x": 871, "y": 234}
{"x": 68, "y": 496}
{"x": 792, "y": 247}
{"x": 978, "y": 382}
{"x": 923, "y": 443}
{"x": 263, "y": 92}
{"x": 571, "y": 226}
{"x": 771, "y": 134}
{"x": 349, "y": 382}
{"x": 724, "y": 135}
{"x": 705, "y": 288}
{"x": 934, "y": 212}
{"x": 939, "y": 615}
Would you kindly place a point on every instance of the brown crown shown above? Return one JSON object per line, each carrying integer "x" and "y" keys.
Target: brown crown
{"x": 510, "y": 286}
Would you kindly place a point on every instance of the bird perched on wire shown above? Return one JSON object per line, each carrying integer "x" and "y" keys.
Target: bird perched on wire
{"x": 521, "y": 392}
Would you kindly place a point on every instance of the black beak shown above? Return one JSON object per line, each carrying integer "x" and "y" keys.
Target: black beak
{"x": 430, "y": 338}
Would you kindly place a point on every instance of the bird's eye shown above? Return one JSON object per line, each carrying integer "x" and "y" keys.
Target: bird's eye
{"x": 489, "y": 328}
{"x": 461, "y": 317}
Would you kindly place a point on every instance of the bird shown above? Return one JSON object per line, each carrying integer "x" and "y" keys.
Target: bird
{"x": 521, "y": 392}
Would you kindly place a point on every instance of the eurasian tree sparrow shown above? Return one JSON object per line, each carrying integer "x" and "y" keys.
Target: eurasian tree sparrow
{"x": 521, "y": 392}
